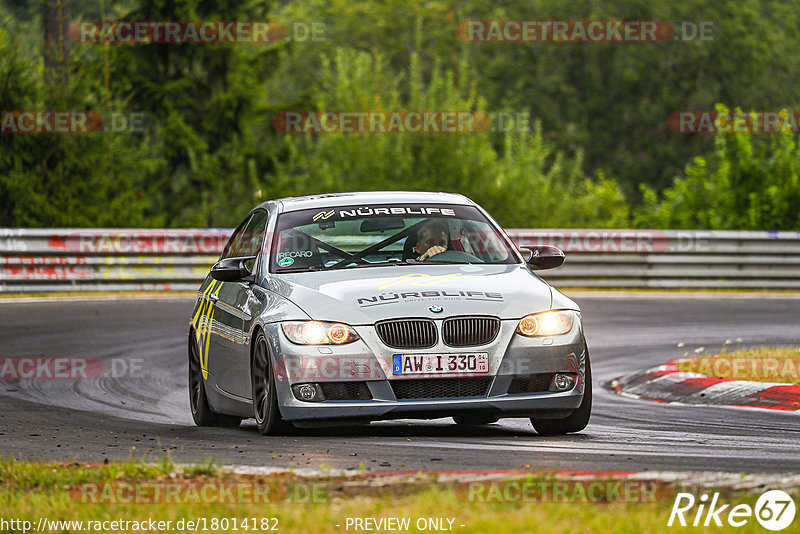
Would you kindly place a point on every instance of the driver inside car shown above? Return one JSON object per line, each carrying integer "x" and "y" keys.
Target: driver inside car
{"x": 432, "y": 239}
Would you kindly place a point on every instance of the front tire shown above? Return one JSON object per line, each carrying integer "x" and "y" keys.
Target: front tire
{"x": 265, "y": 397}
{"x": 577, "y": 420}
{"x": 202, "y": 413}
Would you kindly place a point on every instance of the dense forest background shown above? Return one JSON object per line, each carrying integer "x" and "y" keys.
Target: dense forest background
{"x": 598, "y": 152}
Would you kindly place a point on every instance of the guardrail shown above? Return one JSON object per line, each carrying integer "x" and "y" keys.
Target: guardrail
{"x": 46, "y": 260}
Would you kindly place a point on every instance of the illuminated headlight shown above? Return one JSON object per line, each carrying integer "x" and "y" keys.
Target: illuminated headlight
{"x": 318, "y": 333}
{"x": 552, "y": 323}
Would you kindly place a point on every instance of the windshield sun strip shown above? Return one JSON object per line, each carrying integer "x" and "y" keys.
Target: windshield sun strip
{"x": 356, "y": 259}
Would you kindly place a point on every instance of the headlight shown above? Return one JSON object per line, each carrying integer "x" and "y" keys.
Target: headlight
{"x": 318, "y": 333}
{"x": 552, "y": 323}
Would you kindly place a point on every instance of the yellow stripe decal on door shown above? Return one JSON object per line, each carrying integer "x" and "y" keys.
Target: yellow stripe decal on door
{"x": 200, "y": 309}
{"x": 204, "y": 357}
{"x": 201, "y": 323}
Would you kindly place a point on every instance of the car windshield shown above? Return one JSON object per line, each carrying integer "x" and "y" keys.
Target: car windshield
{"x": 391, "y": 234}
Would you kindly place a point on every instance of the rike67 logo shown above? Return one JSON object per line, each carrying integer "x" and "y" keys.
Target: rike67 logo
{"x": 774, "y": 510}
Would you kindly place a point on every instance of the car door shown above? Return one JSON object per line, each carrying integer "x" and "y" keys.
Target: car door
{"x": 203, "y": 320}
{"x": 234, "y": 309}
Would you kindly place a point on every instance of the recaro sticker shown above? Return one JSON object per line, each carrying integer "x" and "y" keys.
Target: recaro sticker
{"x": 295, "y": 254}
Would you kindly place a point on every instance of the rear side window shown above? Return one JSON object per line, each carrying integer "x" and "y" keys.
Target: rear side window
{"x": 247, "y": 239}
{"x": 249, "y": 243}
{"x": 227, "y": 252}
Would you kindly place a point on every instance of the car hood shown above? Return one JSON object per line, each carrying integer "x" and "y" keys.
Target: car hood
{"x": 360, "y": 296}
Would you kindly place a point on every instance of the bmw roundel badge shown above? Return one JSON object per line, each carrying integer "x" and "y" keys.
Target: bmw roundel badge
{"x": 436, "y": 309}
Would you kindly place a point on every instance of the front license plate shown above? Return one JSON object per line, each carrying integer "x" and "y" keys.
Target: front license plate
{"x": 418, "y": 364}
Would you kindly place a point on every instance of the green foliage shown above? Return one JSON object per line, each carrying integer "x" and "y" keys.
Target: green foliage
{"x": 52, "y": 179}
{"x": 599, "y": 153}
{"x": 751, "y": 182}
{"x": 605, "y": 103}
{"x": 204, "y": 100}
{"x": 524, "y": 182}
{"x": 611, "y": 100}
{"x": 608, "y": 101}
{"x": 195, "y": 166}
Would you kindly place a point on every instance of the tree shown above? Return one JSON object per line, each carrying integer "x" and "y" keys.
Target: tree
{"x": 749, "y": 182}
{"x": 57, "y": 16}
{"x": 523, "y": 183}
{"x": 52, "y": 179}
{"x": 206, "y": 104}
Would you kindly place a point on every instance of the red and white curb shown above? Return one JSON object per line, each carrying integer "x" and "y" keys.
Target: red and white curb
{"x": 667, "y": 384}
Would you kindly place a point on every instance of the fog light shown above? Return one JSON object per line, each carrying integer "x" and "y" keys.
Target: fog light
{"x": 562, "y": 382}
{"x": 305, "y": 392}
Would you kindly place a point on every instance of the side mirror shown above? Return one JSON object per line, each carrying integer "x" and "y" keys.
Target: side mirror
{"x": 543, "y": 257}
{"x": 231, "y": 269}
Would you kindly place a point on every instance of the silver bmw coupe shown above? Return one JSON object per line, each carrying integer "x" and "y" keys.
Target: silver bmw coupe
{"x": 354, "y": 307}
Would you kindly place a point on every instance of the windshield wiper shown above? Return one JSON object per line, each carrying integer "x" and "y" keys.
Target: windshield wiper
{"x": 301, "y": 269}
{"x": 338, "y": 266}
{"x": 359, "y": 265}
{"x": 438, "y": 262}
{"x": 319, "y": 268}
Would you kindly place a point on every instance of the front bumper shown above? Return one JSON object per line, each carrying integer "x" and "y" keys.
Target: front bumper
{"x": 369, "y": 362}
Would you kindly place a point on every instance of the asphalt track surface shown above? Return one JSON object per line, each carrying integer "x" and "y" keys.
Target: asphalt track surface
{"x": 144, "y": 413}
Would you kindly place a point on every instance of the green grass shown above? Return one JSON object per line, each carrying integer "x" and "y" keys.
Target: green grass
{"x": 759, "y": 364}
{"x": 30, "y": 491}
{"x": 207, "y": 467}
{"x": 25, "y": 476}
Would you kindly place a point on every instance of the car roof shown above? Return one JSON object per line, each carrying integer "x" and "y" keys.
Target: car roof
{"x": 370, "y": 197}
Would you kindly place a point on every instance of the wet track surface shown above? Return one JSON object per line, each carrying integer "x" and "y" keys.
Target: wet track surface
{"x": 143, "y": 410}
